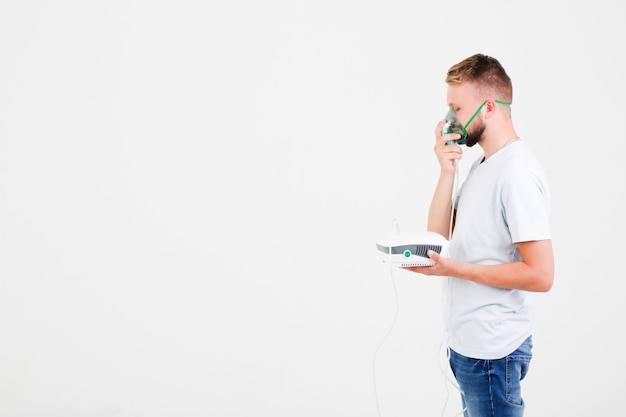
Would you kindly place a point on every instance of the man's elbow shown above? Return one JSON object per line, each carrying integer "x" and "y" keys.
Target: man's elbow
{"x": 544, "y": 282}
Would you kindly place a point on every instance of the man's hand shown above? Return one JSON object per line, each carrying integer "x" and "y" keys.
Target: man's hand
{"x": 446, "y": 154}
{"x": 442, "y": 267}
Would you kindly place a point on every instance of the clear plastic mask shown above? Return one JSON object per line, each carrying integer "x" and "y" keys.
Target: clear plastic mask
{"x": 453, "y": 125}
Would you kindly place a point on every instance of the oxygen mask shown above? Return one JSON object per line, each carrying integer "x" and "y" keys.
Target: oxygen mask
{"x": 453, "y": 125}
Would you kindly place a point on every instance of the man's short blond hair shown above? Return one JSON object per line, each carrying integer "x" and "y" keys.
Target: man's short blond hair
{"x": 486, "y": 74}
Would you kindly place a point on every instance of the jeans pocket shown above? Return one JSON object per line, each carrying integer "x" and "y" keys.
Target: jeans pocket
{"x": 516, "y": 369}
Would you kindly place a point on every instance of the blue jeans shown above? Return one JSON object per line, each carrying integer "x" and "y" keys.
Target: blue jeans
{"x": 491, "y": 388}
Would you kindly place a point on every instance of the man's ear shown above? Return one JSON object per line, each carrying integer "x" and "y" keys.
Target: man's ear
{"x": 490, "y": 107}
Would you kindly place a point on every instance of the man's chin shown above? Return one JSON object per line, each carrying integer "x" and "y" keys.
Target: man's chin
{"x": 471, "y": 142}
{"x": 474, "y": 138}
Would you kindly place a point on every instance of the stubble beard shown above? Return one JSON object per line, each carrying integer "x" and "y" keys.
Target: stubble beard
{"x": 475, "y": 137}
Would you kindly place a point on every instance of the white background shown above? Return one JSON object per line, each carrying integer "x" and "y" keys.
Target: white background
{"x": 190, "y": 193}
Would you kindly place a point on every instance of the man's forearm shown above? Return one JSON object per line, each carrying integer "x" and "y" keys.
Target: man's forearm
{"x": 441, "y": 206}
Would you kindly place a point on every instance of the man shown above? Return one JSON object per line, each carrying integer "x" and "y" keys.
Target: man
{"x": 500, "y": 247}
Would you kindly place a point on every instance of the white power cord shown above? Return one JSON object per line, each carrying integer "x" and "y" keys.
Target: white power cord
{"x": 396, "y": 228}
{"x": 447, "y": 379}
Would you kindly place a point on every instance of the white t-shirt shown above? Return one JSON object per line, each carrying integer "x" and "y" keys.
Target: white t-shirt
{"x": 505, "y": 199}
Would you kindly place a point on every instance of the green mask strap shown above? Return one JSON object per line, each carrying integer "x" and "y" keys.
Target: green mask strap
{"x": 479, "y": 109}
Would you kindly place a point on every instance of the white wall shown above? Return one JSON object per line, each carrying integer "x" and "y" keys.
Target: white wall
{"x": 190, "y": 194}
